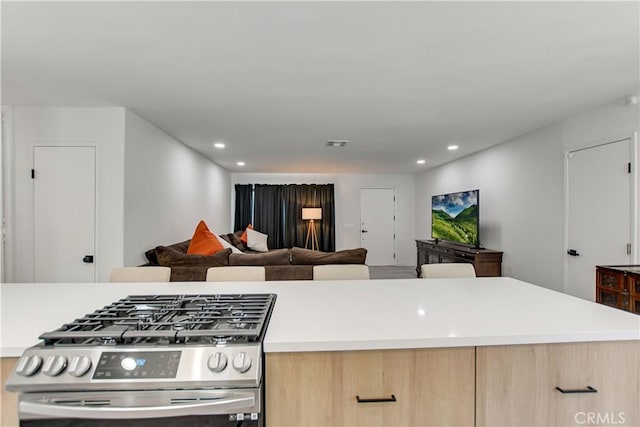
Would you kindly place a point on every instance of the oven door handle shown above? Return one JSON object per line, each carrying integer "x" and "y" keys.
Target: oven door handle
{"x": 220, "y": 406}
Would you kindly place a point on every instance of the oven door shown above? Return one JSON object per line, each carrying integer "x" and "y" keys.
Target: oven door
{"x": 212, "y": 408}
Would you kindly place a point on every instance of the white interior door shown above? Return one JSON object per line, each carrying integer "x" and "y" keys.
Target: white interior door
{"x": 599, "y": 213}
{"x": 64, "y": 214}
{"x": 377, "y": 227}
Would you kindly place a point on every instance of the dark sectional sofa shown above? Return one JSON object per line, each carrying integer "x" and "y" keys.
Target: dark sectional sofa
{"x": 279, "y": 264}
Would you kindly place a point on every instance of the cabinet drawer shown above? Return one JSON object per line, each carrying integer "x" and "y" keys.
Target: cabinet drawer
{"x": 634, "y": 304}
{"x": 516, "y": 385}
{"x": 430, "y": 387}
{"x": 612, "y": 298}
{"x": 611, "y": 280}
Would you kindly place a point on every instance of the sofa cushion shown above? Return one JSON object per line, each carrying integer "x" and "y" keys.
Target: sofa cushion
{"x": 301, "y": 256}
{"x": 150, "y": 255}
{"x": 274, "y": 257}
{"x": 288, "y": 272}
{"x": 188, "y": 274}
{"x": 235, "y": 241}
{"x": 172, "y": 258}
{"x": 226, "y": 243}
{"x": 180, "y": 247}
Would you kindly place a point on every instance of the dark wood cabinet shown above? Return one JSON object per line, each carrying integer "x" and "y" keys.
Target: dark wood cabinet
{"x": 619, "y": 286}
{"x": 487, "y": 262}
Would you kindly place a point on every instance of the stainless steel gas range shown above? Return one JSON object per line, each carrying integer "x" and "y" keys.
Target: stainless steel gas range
{"x": 194, "y": 358}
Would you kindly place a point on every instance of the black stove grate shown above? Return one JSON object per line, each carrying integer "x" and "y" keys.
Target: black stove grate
{"x": 169, "y": 319}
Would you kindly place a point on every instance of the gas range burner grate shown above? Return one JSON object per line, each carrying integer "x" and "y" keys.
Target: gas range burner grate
{"x": 168, "y": 319}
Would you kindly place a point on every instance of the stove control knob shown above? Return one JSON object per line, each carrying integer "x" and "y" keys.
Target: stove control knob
{"x": 28, "y": 365}
{"x": 79, "y": 365}
{"x": 242, "y": 362}
{"x": 54, "y": 365}
{"x": 217, "y": 362}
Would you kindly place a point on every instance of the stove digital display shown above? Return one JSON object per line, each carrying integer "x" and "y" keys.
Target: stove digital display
{"x": 137, "y": 365}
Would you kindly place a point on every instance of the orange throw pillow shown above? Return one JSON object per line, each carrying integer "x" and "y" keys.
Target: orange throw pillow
{"x": 243, "y": 238}
{"x": 204, "y": 242}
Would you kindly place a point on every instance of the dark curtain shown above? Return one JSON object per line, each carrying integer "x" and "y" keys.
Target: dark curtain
{"x": 295, "y": 198}
{"x": 301, "y": 196}
{"x": 268, "y": 215}
{"x": 327, "y": 229}
{"x": 278, "y": 214}
{"x": 244, "y": 195}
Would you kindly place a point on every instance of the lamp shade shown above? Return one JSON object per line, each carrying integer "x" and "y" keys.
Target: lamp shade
{"x": 311, "y": 213}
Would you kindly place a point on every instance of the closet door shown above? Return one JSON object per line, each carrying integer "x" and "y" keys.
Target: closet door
{"x": 64, "y": 187}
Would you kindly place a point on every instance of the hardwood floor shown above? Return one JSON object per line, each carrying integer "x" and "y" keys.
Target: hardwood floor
{"x": 392, "y": 272}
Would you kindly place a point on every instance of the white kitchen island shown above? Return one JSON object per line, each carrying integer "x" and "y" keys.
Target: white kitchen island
{"x": 482, "y": 351}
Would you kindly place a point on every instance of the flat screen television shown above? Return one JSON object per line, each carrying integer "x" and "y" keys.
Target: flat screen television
{"x": 455, "y": 217}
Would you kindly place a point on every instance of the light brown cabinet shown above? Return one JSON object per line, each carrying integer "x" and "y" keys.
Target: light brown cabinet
{"x": 426, "y": 387}
{"x": 8, "y": 400}
{"x": 517, "y": 385}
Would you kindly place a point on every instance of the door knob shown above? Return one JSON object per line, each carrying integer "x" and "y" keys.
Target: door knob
{"x": 573, "y": 252}
{"x": 364, "y": 231}
{"x": 88, "y": 259}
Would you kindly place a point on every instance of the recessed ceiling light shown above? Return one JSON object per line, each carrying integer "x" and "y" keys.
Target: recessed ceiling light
{"x": 452, "y": 147}
{"x": 337, "y": 142}
{"x": 240, "y": 163}
{"x": 421, "y": 162}
{"x": 219, "y": 145}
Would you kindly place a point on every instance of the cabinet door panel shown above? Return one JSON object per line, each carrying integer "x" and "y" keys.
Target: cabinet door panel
{"x": 610, "y": 298}
{"x": 634, "y": 284}
{"x": 8, "y": 399}
{"x": 431, "y": 387}
{"x": 609, "y": 280}
{"x": 516, "y": 385}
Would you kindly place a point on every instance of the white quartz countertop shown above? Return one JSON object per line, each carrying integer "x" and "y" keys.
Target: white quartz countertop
{"x": 350, "y": 315}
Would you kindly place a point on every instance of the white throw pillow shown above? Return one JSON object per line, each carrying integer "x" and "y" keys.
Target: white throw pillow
{"x": 257, "y": 241}
{"x": 228, "y": 245}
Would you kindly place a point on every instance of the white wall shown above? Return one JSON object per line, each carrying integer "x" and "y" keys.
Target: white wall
{"x": 168, "y": 188}
{"x": 347, "y": 203}
{"x": 521, "y": 202}
{"x": 99, "y": 127}
{"x": 521, "y": 186}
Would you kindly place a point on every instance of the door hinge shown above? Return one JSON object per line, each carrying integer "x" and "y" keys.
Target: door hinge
{"x": 629, "y": 167}
{"x": 394, "y": 198}
{"x": 628, "y": 248}
{"x": 394, "y": 217}
{"x": 394, "y": 256}
{"x": 394, "y": 237}
{"x": 33, "y": 173}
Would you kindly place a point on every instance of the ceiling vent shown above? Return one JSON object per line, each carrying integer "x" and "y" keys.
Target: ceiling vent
{"x": 337, "y": 142}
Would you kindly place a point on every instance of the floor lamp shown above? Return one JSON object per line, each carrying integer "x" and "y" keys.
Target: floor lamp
{"x": 311, "y": 214}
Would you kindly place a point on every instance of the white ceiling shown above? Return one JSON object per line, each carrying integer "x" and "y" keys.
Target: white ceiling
{"x": 276, "y": 80}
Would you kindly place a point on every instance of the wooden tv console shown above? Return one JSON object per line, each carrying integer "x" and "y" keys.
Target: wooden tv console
{"x": 487, "y": 262}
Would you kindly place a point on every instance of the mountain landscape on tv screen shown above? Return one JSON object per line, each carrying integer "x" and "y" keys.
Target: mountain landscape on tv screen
{"x": 455, "y": 218}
